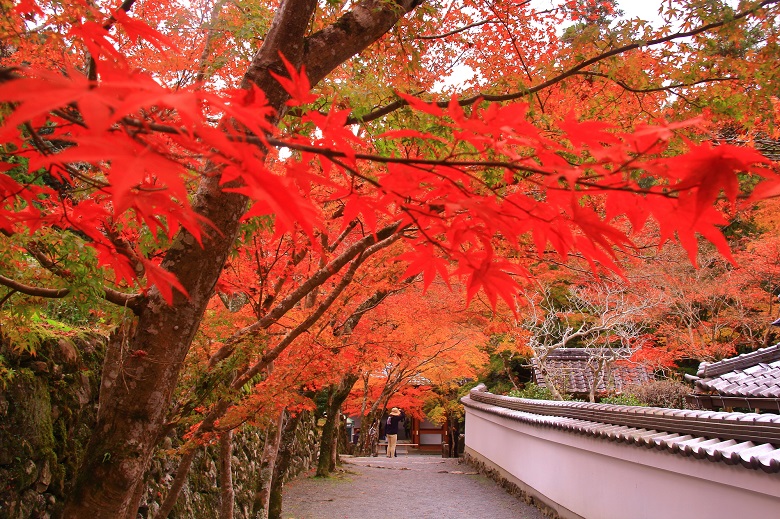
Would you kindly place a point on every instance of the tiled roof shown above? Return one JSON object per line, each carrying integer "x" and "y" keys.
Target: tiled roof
{"x": 748, "y": 440}
{"x": 755, "y": 375}
{"x": 571, "y": 365}
{"x": 746, "y": 360}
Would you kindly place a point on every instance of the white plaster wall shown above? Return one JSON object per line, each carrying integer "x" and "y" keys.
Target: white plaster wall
{"x": 599, "y": 479}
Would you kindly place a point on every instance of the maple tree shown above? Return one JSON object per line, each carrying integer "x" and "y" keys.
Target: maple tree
{"x": 120, "y": 155}
{"x": 709, "y": 312}
{"x": 409, "y": 346}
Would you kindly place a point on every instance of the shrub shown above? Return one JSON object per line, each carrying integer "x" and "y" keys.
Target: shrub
{"x": 623, "y": 399}
{"x": 531, "y": 390}
{"x": 661, "y": 393}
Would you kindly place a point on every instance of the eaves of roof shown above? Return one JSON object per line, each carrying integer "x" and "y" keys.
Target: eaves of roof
{"x": 740, "y": 362}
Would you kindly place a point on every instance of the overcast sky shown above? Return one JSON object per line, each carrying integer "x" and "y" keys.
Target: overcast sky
{"x": 644, "y": 9}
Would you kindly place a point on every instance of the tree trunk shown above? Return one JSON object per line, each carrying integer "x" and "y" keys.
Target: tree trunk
{"x": 598, "y": 374}
{"x": 135, "y": 501}
{"x": 333, "y": 459}
{"x": 508, "y": 370}
{"x": 283, "y": 459}
{"x": 262, "y": 499}
{"x": 226, "y": 493}
{"x": 366, "y": 441}
{"x": 366, "y": 444}
{"x": 178, "y": 483}
{"x": 326, "y": 462}
{"x": 548, "y": 380}
{"x": 344, "y": 442}
{"x": 454, "y": 430}
{"x": 135, "y": 400}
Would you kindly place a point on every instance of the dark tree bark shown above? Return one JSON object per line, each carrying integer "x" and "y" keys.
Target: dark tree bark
{"x": 178, "y": 483}
{"x": 262, "y": 499}
{"x": 366, "y": 442}
{"x": 329, "y": 442}
{"x": 226, "y": 492}
{"x": 454, "y": 430}
{"x": 283, "y": 459}
{"x": 135, "y": 399}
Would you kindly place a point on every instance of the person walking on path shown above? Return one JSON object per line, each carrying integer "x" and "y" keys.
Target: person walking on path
{"x": 391, "y": 430}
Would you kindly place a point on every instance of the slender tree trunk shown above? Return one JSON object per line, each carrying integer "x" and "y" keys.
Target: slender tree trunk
{"x": 333, "y": 459}
{"x": 226, "y": 493}
{"x": 364, "y": 402}
{"x": 507, "y": 369}
{"x": 326, "y": 438}
{"x": 282, "y": 466}
{"x": 344, "y": 443}
{"x": 548, "y": 380}
{"x": 453, "y": 425}
{"x": 262, "y": 499}
{"x": 597, "y": 378}
{"x": 178, "y": 483}
{"x": 329, "y": 440}
{"x": 366, "y": 443}
{"x": 135, "y": 402}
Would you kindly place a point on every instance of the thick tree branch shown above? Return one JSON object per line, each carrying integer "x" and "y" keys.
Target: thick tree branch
{"x": 29, "y": 290}
{"x": 210, "y": 35}
{"x": 221, "y": 407}
{"x": 286, "y": 37}
{"x": 268, "y": 357}
{"x": 317, "y": 279}
{"x": 351, "y": 34}
{"x": 131, "y": 301}
{"x": 112, "y": 296}
{"x": 370, "y": 303}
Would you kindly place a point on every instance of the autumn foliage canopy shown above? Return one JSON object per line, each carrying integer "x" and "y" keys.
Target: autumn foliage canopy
{"x": 309, "y": 160}
{"x": 110, "y": 158}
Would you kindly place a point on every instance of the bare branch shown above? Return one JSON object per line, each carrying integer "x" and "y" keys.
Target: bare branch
{"x": 625, "y": 86}
{"x": 455, "y": 31}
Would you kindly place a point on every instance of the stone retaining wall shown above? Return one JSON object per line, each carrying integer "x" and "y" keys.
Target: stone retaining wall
{"x": 47, "y": 412}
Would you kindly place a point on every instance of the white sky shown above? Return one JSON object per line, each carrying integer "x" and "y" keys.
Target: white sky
{"x": 644, "y": 9}
{"x": 648, "y": 9}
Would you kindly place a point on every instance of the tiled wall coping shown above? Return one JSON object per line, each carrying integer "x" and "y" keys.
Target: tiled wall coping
{"x": 739, "y": 426}
{"x": 748, "y": 439}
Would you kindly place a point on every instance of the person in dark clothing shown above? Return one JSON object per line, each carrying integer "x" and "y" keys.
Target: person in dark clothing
{"x": 391, "y": 429}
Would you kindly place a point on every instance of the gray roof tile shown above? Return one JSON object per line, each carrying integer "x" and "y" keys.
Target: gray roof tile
{"x": 771, "y": 392}
{"x": 754, "y": 375}
{"x": 569, "y": 367}
{"x": 763, "y": 355}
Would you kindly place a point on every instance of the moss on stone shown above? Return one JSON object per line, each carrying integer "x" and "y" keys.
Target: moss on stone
{"x": 28, "y": 431}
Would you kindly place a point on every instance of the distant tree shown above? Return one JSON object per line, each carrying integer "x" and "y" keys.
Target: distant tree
{"x": 606, "y": 319}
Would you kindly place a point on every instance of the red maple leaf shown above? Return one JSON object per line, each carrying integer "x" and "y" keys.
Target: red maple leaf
{"x": 297, "y": 85}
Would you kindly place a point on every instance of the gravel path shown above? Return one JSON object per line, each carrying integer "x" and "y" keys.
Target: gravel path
{"x": 422, "y": 487}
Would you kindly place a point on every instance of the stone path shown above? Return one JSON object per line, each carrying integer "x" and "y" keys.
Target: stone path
{"x": 419, "y": 487}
